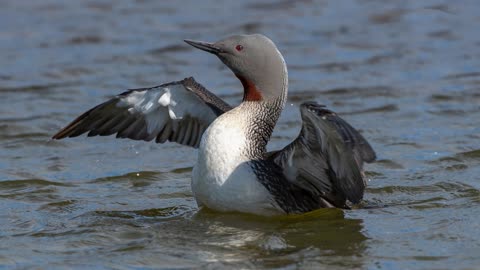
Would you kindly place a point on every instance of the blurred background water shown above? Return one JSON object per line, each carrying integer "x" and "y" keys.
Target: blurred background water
{"x": 405, "y": 73}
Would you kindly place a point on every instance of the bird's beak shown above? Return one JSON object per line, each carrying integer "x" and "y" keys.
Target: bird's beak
{"x": 204, "y": 46}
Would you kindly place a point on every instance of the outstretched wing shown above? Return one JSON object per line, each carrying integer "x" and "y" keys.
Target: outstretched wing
{"x": 177, "y": 111}
{"x": 327, "y": 157}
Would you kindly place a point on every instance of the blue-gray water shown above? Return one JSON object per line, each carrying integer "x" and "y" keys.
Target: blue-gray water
{"x": 406, "y": 73}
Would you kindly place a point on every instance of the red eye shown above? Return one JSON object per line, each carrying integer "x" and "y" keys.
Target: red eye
{"x": 239, "y": 47}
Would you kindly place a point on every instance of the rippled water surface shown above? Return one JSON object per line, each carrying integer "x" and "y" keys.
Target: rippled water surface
{"x": 406, "y": 73}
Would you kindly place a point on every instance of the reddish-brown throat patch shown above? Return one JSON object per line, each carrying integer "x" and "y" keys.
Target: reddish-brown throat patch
{"x": 250, "y": 90}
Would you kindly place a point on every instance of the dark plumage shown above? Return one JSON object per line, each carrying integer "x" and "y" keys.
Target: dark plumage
{"x": 109, "y": 118}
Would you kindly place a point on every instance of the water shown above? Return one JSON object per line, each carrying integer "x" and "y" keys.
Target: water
{"x": 406, "y": 73}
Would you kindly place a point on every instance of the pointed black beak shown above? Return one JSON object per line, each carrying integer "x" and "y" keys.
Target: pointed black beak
{"x": 204, "y": 46}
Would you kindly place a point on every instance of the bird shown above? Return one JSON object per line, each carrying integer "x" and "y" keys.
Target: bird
{"x": 321, "y": 168}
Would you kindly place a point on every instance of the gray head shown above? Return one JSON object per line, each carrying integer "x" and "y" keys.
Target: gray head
{"x": 256, "y": 61}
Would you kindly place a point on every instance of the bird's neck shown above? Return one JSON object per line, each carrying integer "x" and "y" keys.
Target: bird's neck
{"x": 260, "y": 120}
{"x": 262, "y": 112}
{"x": 265, "y": 84}
{"x": 264, "y": 98}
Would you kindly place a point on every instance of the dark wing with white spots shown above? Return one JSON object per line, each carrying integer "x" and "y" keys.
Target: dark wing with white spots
{"x": 327, "y": 157}
{"x": 178, "y": 112}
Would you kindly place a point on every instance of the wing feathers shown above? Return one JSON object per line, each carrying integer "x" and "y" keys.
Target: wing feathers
{"x": 351, "y": 137}
{"x": 327, "y": 157}
{"x": 178, "y": 111}
{"x": 187, "y": 132}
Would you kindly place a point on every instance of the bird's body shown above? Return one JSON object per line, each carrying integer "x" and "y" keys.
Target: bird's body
{"x": 233, "y": 172}
{"x": 223, "y": 177}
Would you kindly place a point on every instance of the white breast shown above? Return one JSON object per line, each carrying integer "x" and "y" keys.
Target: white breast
{"x": 222, "y": 178}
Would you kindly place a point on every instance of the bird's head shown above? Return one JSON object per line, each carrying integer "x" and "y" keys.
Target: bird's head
{"x": 255, "y": 60}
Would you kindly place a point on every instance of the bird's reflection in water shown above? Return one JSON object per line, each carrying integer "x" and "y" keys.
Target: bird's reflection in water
{"x": 324, "y": 236}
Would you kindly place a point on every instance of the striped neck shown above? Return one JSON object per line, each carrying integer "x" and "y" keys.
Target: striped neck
{"x": 261, "y": 117}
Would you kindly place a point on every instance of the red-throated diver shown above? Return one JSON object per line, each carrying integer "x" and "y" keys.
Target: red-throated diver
{"x": 322, "y": 167}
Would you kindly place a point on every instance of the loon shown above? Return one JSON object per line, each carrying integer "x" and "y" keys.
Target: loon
{"x": 321, "y": 168}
